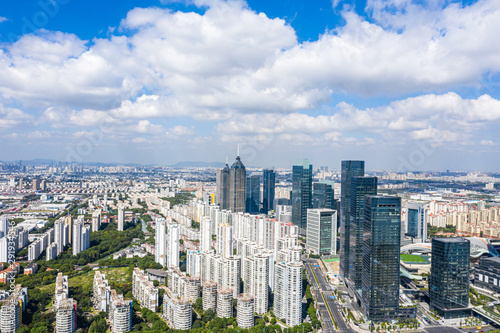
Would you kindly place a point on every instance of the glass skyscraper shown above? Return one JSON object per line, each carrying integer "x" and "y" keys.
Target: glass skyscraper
{"x": 237, "y": 183}
{"x": 268, "y": 182}
{"x": 323, "y": 196}
{"x": 381, "y": 246}
{"x": 416, "y": 221}
{"x": 360, "y": 188}
{"x": 449, "y": 280}
{"x": 349, "y": 169}
{"x": 253, "y": 194}
{"x": 301, "y": 193}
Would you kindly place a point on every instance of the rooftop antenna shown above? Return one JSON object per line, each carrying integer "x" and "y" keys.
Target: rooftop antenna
{"x": 238, "y": 154}
{"x": 226, "y": 160}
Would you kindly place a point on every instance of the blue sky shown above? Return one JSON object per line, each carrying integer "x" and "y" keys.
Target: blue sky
{"x": 404, "y": 85}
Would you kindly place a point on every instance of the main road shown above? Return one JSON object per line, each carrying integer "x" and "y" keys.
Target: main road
{"x": 328, "y": 307}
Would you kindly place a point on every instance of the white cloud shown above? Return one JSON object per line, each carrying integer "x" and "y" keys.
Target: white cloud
{"x": 180, "y": 131}
{"x": 11, "y": 117}
{"x": 2, "y": 19}
{"x": 440, "y": 118}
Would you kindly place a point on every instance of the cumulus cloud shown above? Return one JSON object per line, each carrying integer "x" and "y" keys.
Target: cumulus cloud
{"x": 11, "y": 117}
{"x": 180, "y": 131}
{"x": 2, "y": 19}
{"x": 440, "y": 118}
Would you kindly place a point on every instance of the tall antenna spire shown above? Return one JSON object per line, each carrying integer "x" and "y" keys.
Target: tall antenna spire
{"x": 226, "y": 160}
{"x": 238, "y": 154}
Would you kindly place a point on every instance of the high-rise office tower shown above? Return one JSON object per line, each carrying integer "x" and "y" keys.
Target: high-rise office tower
{"x": 66, "y": 316}
{"x": 252, "y": 196}
{"x": 121, "y": 217}
{"x": 416, "y": 221}
{"x": 161, "y": 242}
{"x": 268, "y": 182}
{"x": 323, "y": 196}
{"x": 173, "y": 245}
{"x": 449, "y": 280}
{"x": 237, "y": 183}
{"x": 222, "y": 187}
{"x": 349, "y": 169}
{"x": 322, "y": 231}
{"x": 288, "y": 292}
{"x": 360, "y": 188}
{"x": 206, "y": 234}
{"x": 381, "y": 245}
{"x": 301, "y": 193}
{"x": 224, "y": 240}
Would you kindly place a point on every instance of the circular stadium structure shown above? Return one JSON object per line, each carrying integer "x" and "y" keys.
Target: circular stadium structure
{"x": 479, "y": 247}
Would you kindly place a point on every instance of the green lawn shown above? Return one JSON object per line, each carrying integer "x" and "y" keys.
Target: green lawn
{"x": 413, "y": 259}
{"x": 331, "y": 260}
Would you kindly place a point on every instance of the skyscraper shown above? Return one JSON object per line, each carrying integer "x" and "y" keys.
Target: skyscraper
{"x": 121, "y": 217}
{"x": 206, "y": 234}
{"x": 323, "y": 196}
{"x": 173, "y": 245}
{"x": 252, "y": 196}
{"x": 322, "y": 231}
{"x": 222, "y": 187}
{"x": 288, "y": 292}
{"x": 224, "y": 240}
{"x": 349, "y": 169}
{"x": 161, "y": 242}
{"x": 416, "y": 221}
{"x": 237, "y": 183}
{"x": 381, "y": 245}
{"x": 449, "y": 280}
{"x": 360, "y": 188}
{"x": 301, "y": 193}
{"x": 257, "y": 281}
{"x": 268, "y": 182}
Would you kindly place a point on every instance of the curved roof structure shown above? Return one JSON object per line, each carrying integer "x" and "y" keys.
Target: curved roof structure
{"x": 478, "y": 247}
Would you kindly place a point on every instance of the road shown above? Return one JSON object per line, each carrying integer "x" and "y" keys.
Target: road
{"x": 323, "y": 292}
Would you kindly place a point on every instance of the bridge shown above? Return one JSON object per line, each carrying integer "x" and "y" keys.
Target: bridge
{"x": 490, "y": 315}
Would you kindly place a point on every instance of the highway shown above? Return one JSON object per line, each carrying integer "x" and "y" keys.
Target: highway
{"x": 322, "y": 292}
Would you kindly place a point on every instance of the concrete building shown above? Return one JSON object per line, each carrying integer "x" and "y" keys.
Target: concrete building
{"x": 11, "y": 309}
{"x": 96, "y": 220}
{"x": 120, "y": 313}
{"x": 66, "y": 316}
{"x": 51, "y": 251}
{"x": 177, "y": 311}
{"x": 121, "y": 217}
{"x": 173, "y": 245}
{"x": 209, "y": 295}
{"x": 288, "y": 292}
{"x": 322, "y": 231}
{"x": 224, "y": 240}
{"x": 34, "y": 250}
{"x": 61, "y": 232}
{"x": 256, "y": 281}
{"x": 206, "y": 234}
{"x": 245, "y": 311}
{"x": 101, "y": 292}
{"x": 161, "y": 242}
{"x": 225, "y": 303}
{"x": 81, "y": 237}
{"x": 143, "y": 290}
{"x": 61, "y": 289}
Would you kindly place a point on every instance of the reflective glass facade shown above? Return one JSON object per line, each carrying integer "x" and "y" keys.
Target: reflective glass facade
{"x": 360, "y": 188}
{"x": 323, "y": 196}
{"x": 381, "y": 243}
{"x": 301, "y": 193}
{"x": 269, "y": 181}
{"x": 252, "y": 196}
{"x": 449, "y": 280}
{"x": 349, "y": 169}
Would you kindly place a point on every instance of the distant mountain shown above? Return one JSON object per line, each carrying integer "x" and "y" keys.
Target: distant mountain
{"x": 191, "y": 164}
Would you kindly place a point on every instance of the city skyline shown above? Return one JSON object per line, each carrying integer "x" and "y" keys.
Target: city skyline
{"x": 404, "y": 86}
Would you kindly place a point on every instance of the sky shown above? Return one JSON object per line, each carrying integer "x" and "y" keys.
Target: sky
{"x": 406, "y": 85}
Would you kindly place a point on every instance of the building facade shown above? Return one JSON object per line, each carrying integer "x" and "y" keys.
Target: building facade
{"x": 268, "y": 187}
{"x": 301, "y": 193}
{"x": 322, "y": 231}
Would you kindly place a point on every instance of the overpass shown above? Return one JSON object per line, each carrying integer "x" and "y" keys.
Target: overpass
{"x": 491, "y": 316}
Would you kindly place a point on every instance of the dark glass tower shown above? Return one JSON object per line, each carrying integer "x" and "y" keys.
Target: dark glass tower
{"x": 301, "y": 193}
{"x": 349, "y": 169}
{"x": 449, "y": 280}
{"x": 360, "y": 188}
{"x": 268, "y": 182}
{"x": 253, "y": 194}
{"x": 381, "y": 243}
{"x": 323, "y": 196}
{"x": 222, "y": 187}
{"x": 237, "y": 183}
